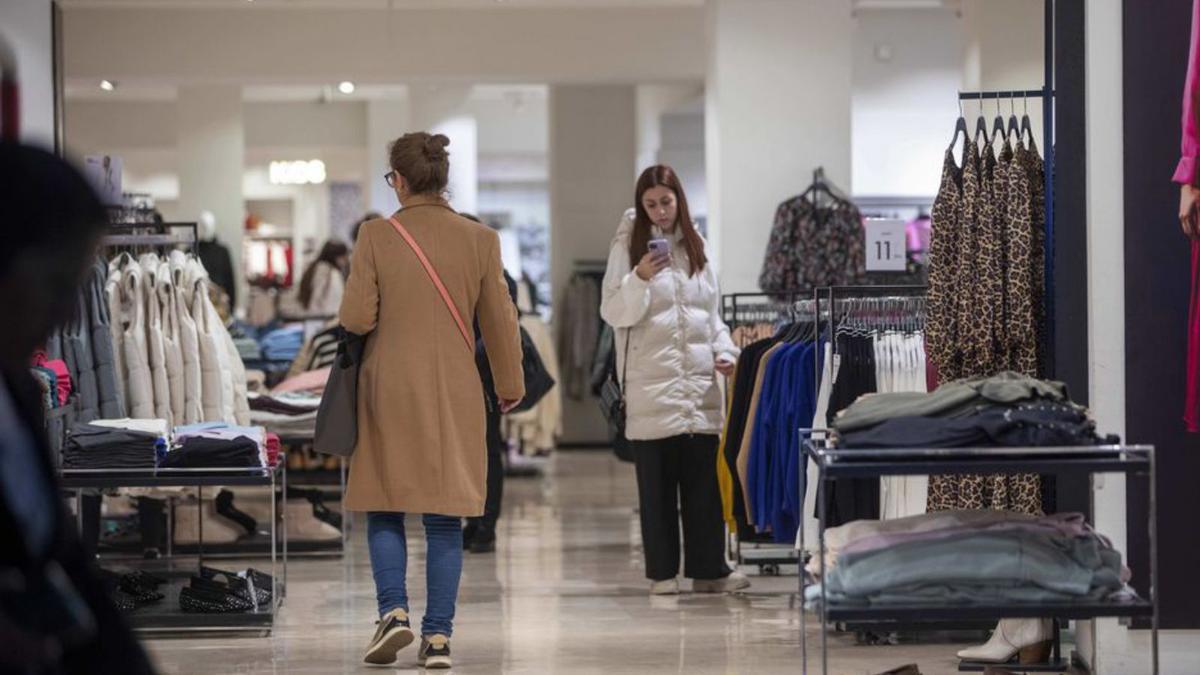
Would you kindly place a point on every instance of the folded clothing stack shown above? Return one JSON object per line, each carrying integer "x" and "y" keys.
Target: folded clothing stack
{"x": 970, "y": 557}
{"x": 1003, "y": 410}
{"x": 295, "y": 403}
{"x": 224, "y": 431}
{"x": 92, "y": 446}
{"x": 287, "y": 413}
{"x": 283, "y": 344}
{"x": 248, "y": 349}
{"x": 200, "y": 452}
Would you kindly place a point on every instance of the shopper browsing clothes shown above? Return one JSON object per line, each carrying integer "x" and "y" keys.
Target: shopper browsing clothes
{"x": 55, "y": 616}
{"x": 324, "y": 282}
{"x": 661, "y": 295}
{"x": 421, "y": 422}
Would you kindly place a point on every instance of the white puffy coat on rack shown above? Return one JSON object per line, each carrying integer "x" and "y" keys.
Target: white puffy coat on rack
{"x": 676, "y": 334}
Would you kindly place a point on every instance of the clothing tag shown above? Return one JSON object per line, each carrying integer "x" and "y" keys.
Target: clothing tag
{"x": 886, "y": 242}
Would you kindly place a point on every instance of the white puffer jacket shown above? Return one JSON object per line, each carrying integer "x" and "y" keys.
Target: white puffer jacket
{"x": 675, "y": 332}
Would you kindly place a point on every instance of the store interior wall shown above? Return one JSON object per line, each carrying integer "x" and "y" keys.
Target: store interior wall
{"x": 908, "y": 67}
{"x": 26, "y": 26}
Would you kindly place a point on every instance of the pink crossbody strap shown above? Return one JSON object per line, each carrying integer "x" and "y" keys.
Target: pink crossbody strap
{"x": 437, "y": 281}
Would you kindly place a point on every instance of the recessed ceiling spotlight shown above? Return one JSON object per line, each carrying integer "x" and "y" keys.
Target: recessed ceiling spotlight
{"x": 346, "y": 87}
{"x": 108, "y": 85}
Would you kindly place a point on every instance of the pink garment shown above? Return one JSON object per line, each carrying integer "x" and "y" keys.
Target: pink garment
{"x": 919, "y": 232}
{"x": 1189, "y": 146}
{"x": 273, "y": 447}
{"x": 61, "y": 372}
{"x": 313, "y": 380}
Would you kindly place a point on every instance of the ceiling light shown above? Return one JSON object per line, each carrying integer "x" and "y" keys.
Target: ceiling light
{"x": 346, "y": 87}
{"x": 108, "y": 85}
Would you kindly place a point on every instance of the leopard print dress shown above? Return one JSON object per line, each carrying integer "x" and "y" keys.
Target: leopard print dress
{"x": 941, "y": 327}
{"x": 994, "y": 282}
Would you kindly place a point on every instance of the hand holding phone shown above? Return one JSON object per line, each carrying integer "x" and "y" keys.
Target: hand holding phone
{"x": 653, "y": 262}
{"x": 660, "y": 247}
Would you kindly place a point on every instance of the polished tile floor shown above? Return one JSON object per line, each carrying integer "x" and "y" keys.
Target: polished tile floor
{"x": 563, "y": 594}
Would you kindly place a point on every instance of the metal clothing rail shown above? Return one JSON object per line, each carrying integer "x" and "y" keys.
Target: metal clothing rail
{"x": 151, "y": 234}
{"x": 831, "y": 294}
{"x": 1000, "y": 94}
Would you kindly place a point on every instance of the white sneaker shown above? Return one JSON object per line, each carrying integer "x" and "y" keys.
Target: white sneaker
{"x": 665, "y": 587}
{"x": 1028, "y": 638}
{"x": 736, "y": 581}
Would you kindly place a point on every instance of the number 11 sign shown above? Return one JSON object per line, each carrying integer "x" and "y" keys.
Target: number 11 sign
{"x": 886, "y": 245}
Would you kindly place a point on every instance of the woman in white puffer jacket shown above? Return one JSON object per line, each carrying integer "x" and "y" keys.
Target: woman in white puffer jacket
{"x": 666, "y": 312}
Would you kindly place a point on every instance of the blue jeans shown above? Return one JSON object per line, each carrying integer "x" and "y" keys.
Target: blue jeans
{"x": 443, "y": 566}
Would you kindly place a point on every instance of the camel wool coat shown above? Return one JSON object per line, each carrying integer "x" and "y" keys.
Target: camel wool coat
{"x": 421, "y": 428}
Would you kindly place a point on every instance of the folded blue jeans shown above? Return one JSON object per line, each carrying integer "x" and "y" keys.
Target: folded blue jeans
{"x": 443, "y": 566}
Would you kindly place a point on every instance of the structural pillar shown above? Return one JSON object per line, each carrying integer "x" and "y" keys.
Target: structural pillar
{"x": 212, "y": 150}
{"x": 778, "y": 104}
{"x": 387, "y": 120}
{"x": 442, "y": 110}
{"x": 593, "y": 155}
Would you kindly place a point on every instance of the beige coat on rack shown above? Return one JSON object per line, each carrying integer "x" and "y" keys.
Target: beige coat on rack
{"x": 421, "y": 433}
{"x": 189, "y": 341}
{"x": 156, "y": 339}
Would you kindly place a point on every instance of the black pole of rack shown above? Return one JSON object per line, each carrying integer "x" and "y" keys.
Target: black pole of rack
{"x": 1048, "y": 150}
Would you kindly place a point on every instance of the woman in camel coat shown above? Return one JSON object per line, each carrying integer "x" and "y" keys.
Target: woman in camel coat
{"x": 421, "y": 435}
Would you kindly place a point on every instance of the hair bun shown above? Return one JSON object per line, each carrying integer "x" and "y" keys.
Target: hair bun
{"x": 435, "y": 147}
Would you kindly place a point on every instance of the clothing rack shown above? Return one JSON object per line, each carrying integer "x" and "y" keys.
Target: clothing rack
{"x": 850, "y": 296}
{"x": 139, "y": 234}
{"x": 1046, "y": 94}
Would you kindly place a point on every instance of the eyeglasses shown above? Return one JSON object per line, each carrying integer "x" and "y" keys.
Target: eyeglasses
{"x": 390, "y": 179}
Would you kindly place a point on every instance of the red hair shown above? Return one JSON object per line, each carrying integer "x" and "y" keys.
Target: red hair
{"x": 639, "y": 244}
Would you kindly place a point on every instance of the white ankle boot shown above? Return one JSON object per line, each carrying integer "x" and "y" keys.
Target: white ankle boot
{"x": 1027, "y": 637}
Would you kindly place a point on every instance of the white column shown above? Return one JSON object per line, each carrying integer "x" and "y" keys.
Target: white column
{"x": 25, "y": 27}
{"x": 778, "y": 106}
{"x": 443, "y": 110}
{"x": 593, "y": 152}
{"x": 1109, "y": 647}
{"x": 387, "y": 120}
{"x": 211, "y": 155}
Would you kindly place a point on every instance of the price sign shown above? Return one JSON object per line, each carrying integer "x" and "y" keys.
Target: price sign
{"x": 886, "y": 241}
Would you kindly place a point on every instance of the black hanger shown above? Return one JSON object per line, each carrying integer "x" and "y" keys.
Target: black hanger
{"x": 960, "y": 126}
{"x": 998, "y": 122}
{"x": 1026, "y": 124}
{"x": 980, "y": 122}
{"x": 1014, "y": 127}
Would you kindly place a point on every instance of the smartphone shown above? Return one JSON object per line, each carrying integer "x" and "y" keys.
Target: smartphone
{"x": 660, "y": 247}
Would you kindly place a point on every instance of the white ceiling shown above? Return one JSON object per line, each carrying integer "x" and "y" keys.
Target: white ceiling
{"x": 377, "y": 4}
{"x": 82, "y": 89}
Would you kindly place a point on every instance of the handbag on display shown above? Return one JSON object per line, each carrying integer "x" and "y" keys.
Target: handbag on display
{"x": 337, "y": 417}
{"x": 538, "y": 381}
{"x": 612, "y": 404}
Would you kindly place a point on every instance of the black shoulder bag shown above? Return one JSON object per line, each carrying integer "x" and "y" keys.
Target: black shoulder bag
{"x": 612, "y": 404}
